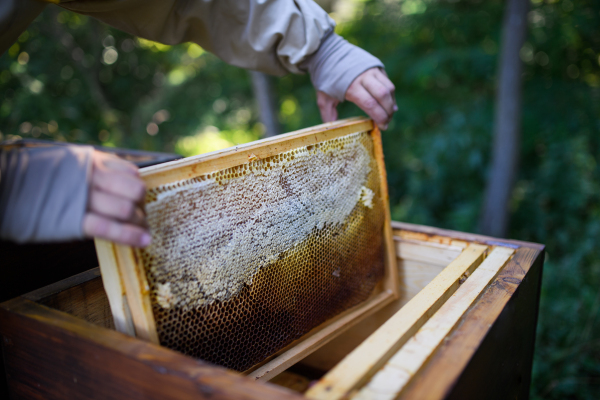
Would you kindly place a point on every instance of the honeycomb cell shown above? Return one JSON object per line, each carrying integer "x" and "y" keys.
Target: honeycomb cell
{"x": 248, "y": 259}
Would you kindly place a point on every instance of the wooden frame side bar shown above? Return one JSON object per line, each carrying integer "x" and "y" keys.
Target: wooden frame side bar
{"x": 354, "y": 370}
{"x": 113, "y": 285}
{"x": 137, "y": 292}
{"x": 388, "y": 383}
{"x": 391, "y": 263}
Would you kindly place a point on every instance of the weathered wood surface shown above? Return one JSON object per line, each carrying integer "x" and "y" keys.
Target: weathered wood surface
{"x": 490, "y": 355}
{"x": 366, "y": 359}
{"x": 86, "y": 301}
{"x": 53, "y": 355}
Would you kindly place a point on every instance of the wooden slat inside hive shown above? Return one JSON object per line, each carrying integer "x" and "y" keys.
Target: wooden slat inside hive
{"x": 256, "y": 246}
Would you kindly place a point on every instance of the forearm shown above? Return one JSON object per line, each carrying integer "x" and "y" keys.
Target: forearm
{"x": 43, "y": 193}
{"x": 336, "y": 64}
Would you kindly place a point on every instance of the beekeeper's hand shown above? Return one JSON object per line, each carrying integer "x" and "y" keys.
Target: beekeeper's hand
{"x": 372, "y": 91}
{"x": 115, "y": 202}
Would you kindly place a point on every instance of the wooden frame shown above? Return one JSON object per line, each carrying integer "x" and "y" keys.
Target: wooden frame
{"x": 126, "y": 281}
{"x": 59, "y": 341}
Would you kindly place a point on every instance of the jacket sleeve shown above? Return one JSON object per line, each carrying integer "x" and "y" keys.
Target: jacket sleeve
{"x": 43, "y": 193}
{"x": 272, "y": 36}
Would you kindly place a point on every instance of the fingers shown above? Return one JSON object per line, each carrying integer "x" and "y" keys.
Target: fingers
{"x": 95, "y": 225}
{"x": 327, "y": 106}
{"x": 116, "y": 164}
{"x": 115, "y": 202}
{"x": 111, "y": 206}
{"x": 374, "y": 93}
{"x": 365, "y": 100}
{"x": 117, "y": 177}
{"x": 381, "y": 93}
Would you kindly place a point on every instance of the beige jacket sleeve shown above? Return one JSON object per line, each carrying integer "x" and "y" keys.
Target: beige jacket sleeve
{"x": 270, "y": 36}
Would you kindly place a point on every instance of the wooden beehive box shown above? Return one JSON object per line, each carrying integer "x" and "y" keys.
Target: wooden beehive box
{"x": 462, "y": 326}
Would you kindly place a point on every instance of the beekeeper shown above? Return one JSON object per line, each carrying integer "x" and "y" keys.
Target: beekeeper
{"x": 71, "y": 192}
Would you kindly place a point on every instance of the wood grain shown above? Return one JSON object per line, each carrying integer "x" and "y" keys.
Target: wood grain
{"x": 87, "y": 301}
{"x": 364, "y": 361}
{"x": 426, "y": 252}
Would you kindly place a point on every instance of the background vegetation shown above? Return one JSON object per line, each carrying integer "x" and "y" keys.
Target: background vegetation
{"x": 72, "y": 78}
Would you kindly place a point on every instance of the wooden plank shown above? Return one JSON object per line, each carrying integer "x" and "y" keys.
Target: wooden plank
{"x": 206, "y": 163}
{"x": 87, "y": 301}
{"x": 431, "y": 239}
{"x": 292, "y": 381}
{"x": 450, "y": 236}
{"x": 426, "y": 252}
{"x": 359, "y": 365}
{"x": 52, "y": 355}
{"x": 489, "y": 355}
{"x": 391, "y": 267}
{"x": 319, "y": 337}
{"x": 415, "y": 276}
{"x": 387, "y": 384}
{"x": 137, "y": 293}
{"x": 113, "y": 286}
{"x": 64, "y": 284}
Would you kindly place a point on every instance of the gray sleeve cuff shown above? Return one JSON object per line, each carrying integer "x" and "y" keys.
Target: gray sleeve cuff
{"x": 43, "y": 193}
{"x": 336, "y": 64}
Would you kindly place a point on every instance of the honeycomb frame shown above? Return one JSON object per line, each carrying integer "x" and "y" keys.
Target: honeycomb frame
{"x": 126, "y": 265}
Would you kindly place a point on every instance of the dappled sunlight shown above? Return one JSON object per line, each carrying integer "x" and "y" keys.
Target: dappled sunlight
{"x": 211, "y": 139}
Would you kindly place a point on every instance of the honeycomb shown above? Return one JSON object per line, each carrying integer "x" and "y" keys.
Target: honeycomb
{"x": 248, "y": 259}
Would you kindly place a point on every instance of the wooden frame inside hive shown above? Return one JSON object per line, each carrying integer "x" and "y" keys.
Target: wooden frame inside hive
{"x": 123, "y": 270}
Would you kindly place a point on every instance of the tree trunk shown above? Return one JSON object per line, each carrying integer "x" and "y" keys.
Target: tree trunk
{"x": 263, "y": 93}
{"x": 507, "y": 122}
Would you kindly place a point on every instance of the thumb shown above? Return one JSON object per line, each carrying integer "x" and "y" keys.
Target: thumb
{"x": 327, "y": 106}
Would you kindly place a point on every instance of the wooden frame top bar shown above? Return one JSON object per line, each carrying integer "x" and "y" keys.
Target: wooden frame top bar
{"x": 217, "y": 160}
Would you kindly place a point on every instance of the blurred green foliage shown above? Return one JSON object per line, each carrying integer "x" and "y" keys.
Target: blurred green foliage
{"x": 73, "y": 78}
